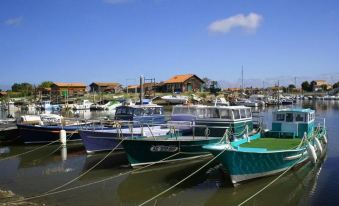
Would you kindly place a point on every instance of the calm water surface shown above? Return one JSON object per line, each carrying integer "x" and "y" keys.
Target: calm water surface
{"x": 41, "y": 171}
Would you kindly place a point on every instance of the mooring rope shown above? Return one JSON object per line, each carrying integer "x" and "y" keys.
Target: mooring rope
{"x": 181, "y": 181}
{"x": 87, "y": 171}
{"x": 30, "y": 151}
{"x": 91, "y": 183}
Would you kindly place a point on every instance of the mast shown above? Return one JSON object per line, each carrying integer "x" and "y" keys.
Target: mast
{"x": 242, "y": 78}
{"x": 141, "y": 88}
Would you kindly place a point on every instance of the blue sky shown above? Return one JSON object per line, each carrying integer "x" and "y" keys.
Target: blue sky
{"x": 116, "y": 40}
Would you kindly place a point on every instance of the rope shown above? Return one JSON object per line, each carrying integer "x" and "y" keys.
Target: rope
{"x": 173, "y": 186}
{"x": 87, "y": 171}
{"x": 24, "y": 153}
{"x": 269, "y": 184}
{"x": 91, "y": 183}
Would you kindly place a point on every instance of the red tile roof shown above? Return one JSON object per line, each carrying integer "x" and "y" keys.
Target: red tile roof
{"x": 73, "y": 84}
{"x": 179, "y": 78}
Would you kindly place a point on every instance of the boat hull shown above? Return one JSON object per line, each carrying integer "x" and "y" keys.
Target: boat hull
{"x": 147, "y": 151}
{"x": 243, "y": 166}
{"x": 30, "y": 134}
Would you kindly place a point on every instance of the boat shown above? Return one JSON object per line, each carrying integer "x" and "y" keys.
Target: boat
{"x": 175, "y": 99}
{"x": 210, "y": 124}
{"x": 221, "y": 101}
{"x": 108, "y": 105}
{"x": 84, "y": 105}
{"x": 46, "y": 128}
{"x": 133, "y": 121}
{"x": 293, "y": 140}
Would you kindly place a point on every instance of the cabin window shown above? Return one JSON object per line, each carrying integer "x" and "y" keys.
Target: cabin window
{"x": 289, "y": 117}
{"x": 299, "y": 117}
{"x": 212, "y": 113}
{"x": 138, "y": 112}
{"x": 280, "y": 117}
{"x": 248, "y": 113}
{"x": 148, "y": 111}
{"x": 242, "y": 113}
{"x": 236, "y": 114}
{"x": 157, "y": 111}
{"x": 225, "y": 114}
{"x": 129, "y": 111}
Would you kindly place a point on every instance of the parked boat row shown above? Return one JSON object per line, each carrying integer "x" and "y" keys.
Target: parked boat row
{"x": 193, "y": 131}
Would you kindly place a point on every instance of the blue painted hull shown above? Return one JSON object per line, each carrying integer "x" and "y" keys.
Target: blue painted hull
{"x": 100, "y": 141}
{"x": 30, "y": 134}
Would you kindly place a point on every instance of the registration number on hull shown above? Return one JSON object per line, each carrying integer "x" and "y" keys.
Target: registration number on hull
{"x": 164, "y": 148}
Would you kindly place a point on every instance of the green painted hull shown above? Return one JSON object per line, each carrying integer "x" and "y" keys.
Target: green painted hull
{"x": 244, "y": 163}
{"x": 149, "y": 151}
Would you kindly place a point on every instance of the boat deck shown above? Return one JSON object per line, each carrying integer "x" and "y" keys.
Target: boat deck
{"x": 179, "y": 138}
{"x": 273, "y": 143}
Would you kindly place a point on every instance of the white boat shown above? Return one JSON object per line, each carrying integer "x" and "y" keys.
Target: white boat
{"x": 221, "y": 102}
{"x": 175, "y": 99}
{"x": 84, "y": 105}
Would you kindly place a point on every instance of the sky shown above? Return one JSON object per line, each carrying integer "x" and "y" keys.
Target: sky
{"x": 119, "y": 40}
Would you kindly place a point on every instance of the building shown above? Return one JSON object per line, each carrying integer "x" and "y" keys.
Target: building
{"x": 107, "y": 87}
{"x": 184, "y": 83}
{"x": 321, "y": 85}
{"x": 68, "y": 89}
{"x": 3, "y": 94}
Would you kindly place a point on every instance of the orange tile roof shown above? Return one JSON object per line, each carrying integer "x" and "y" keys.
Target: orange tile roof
{"x": 106, "y": 84}
{"x": 74, "y": 84}
{"x": 179, "y": 78}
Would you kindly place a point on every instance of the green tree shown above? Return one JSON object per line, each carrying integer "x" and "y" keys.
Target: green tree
{"x": 335, "y": 85}
{"x": 45, "y": 84}
{"x": 291, "y": 86}
{"x": 24, "y": 88}
{"x": 305, "y": 86}
{"x": 324, "y": 87}
{"x": 312, "y": 85}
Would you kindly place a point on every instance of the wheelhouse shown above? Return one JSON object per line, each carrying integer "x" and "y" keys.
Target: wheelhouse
{"x": 150, "y": 114}
{"x": 235, "y": 117}
{"x": 293, "y": 121}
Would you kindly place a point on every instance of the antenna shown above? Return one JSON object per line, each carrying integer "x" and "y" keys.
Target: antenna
{"x": 242, "y": 77}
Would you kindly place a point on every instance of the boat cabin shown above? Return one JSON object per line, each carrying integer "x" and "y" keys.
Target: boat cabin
{"x": 145, "y": 114}
{"x": 293, "y": 121}
{"x": 235, "y": 117}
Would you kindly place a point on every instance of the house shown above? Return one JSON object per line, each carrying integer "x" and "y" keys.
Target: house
{"x": 109, "y": 87}
{"x": 68, "y": 89}
{"x": 184, "y": 83}
{"x": 3, "y": 94}
{"x": 148, "y": 88}
{"x": 321, "y": 85}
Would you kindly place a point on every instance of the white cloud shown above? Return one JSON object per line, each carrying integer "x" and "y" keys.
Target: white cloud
{"x": 14, "y": 21}
{"x": 250, "y": 23}
{"x": 116, "y": 1}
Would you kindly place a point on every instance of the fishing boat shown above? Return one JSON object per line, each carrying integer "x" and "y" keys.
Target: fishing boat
{"x": 108, "y": 105}
{"x": 209, "y": 125}
{"x": 84, "y": 105}
{"x": 133, "y": 121}
{"x": 175, "y": 99}
{"x": 293, "y": 140}
{"x": 46, "y": 128}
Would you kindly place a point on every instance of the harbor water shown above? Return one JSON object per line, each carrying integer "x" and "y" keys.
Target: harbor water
{"x": 113, "y": 182}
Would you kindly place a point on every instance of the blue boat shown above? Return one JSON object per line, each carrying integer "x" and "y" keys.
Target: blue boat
{"x": 35, "y": 129}
{"x": 130, "y": 121}
{"x": 293, "y": 140}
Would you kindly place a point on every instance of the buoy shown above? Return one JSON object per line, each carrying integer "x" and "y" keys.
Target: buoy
{"x": 325, "y": 139}
{"x": 64, "y": 153}
{"x": 311, "y": 153}
{"x": 317, "y": 143}
{"x": 63, "y": 137}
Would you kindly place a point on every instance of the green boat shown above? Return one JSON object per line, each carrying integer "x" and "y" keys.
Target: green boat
{"x": 294, "y": 139}
{"x": 208, "y": 125}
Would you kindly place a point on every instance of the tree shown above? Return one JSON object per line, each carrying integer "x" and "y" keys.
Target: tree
{"x": 291, "y": 86}
{"x": 336, "y": 85}
{"x": 24, "y": 88}
{"x": 324, "y": 87}
{"x": 305, "y": 86}
{"x": 45, "y": 84}
{"x": 312, "y": 85}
